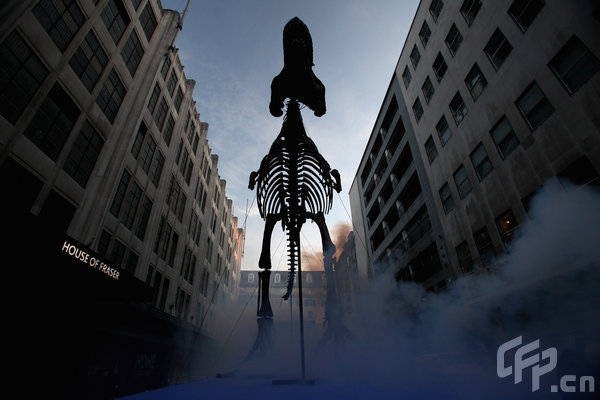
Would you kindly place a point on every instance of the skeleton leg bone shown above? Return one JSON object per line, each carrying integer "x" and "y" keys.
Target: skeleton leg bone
{"x": 264, "y": 262}
{"x": 335, "y": 329}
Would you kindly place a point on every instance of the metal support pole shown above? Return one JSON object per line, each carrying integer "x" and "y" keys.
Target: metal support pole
{"x": 259, "y": 294}
{"x": 301, "y": 310}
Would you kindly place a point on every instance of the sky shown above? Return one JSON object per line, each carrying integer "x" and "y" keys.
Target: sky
{"x": 233, "y": 49}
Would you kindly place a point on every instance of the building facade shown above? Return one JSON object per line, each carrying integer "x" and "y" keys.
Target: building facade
{"x": 314, "y": 295}
{"x": 102, "y": 145}
{"x": 489, "y": 101}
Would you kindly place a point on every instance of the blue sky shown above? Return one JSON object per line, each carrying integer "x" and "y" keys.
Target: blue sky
{"x": 233, "y": 49}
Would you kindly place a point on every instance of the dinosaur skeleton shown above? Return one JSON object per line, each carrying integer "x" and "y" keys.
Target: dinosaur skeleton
{"x": 294, "y": 182}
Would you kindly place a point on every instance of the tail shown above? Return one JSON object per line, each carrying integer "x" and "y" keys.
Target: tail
{"x": 293, "y": 254}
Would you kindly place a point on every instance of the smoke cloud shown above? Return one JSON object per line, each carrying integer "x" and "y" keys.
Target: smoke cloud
{"x": 407, "y": 342}
{"x": 546, "y": 288}
{"x": 313, "y": 261}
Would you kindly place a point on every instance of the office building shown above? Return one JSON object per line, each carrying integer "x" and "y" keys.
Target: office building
{"x": 103, "y": 153}
{"x": 489, "y": 101}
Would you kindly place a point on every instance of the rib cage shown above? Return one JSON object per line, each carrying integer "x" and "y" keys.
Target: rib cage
{"x": 293, "y": 159}
{"x": 293, "y": 179}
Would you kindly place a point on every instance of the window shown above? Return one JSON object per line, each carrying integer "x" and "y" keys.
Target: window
{"x": 21, "y": 74}
{"x": 139, "y": 139}
{"x": 469, "y": 10}
{"x": 579, "y": 172}
{"x": 446, "y": 198}
{"x": 458, "y": 108}
{"x": 453, "y": 39}
{"x": 164, "y": 293}
{"x": 196, "y": 141}
{"x": 179, "y": 150}
{"x": 156, "y": 168}
{"x": 435, "y": 8}
{"x": 191, "y": 130}
{"x": 130, "y": 205}
{"x": 439, "y": 67}
{"x": 147, "y": 153}
{"x": 111, "y": 95}
{"x": 89, "y": 61}
{"x": 523, "y": 12}
{"x": 504, "y": 137}
{"x": 406, "y": 77}
{"x": 115, "y": 208}
{"x": 464, "y": 257}
{"x": 574, "y": 64}
{"x": 481, "y": 162}
{"x": 508, "y": 226}
{"x": 475, "y": 82}
{"x": 172, "y": 82}
{"x": 154, "y": 98}
{"x": 173, "y": 196}
{"x": 428, "y": 90}
{"x": 172, "y": 248}
{"x": 83, "y": 155}
{"x": 52, "y": 124}
{"x": 277, "y": 278}
{"x": 131, "y": 261}
{"x": 425, "y": 33}
{"x": 115, "y": 19}
{"x": 534, "y": 106}
{"x": 430, "y": 149}
{"x": 118, "y": 253}
{"x": 142, "y": 224}
{"x": 415, "y": 56}
{"x": 390, "y": 114}
{"x": 178, "y": 98}
{"x": 188, "y": 172}
{"x": 132, "y": 52}
{"x": 168, "y": 131}
{"x": 162, "y": 238}
{"x": 148, "y": 21}
{"x": 184, "y": 160}
{"x": 181, "y": 206}
{"x": 417, "y": 109}
{"x": 165, "y": 67}
{"x": 497, "y": 49}
{"x": 250, "y": 277}
{"x": 61, "y": 19}
{"x": 161, "y": 113}
{"x": 462, "y": 182}
{"x": 484, "y": 245}
{"x": 103, "y": 243}
{"x": 443, "y": 130}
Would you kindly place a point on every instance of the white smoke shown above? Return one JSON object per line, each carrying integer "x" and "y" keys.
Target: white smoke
{"x": 445, "y": 343}
{"x": 419, "y": 344}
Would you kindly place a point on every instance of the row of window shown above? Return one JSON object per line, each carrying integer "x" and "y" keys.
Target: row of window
{"x": 23, "y": 72}
{"x": 573, "y": 65}
{"x": 507, "y": 226}
{"x": 475, "y": 81}
{"x": 497, "y": 50}
{"x": 144, "y": 150}
{"x": 131, "y": 206}
{"x": 120, "y": 256}
{"x": 535, "y": 108}
{"x": 390, "y": 148}
{"x": 308, "y": 277}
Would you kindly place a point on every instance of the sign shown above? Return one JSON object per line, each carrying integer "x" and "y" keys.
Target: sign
{"x": 85, "y": 257}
